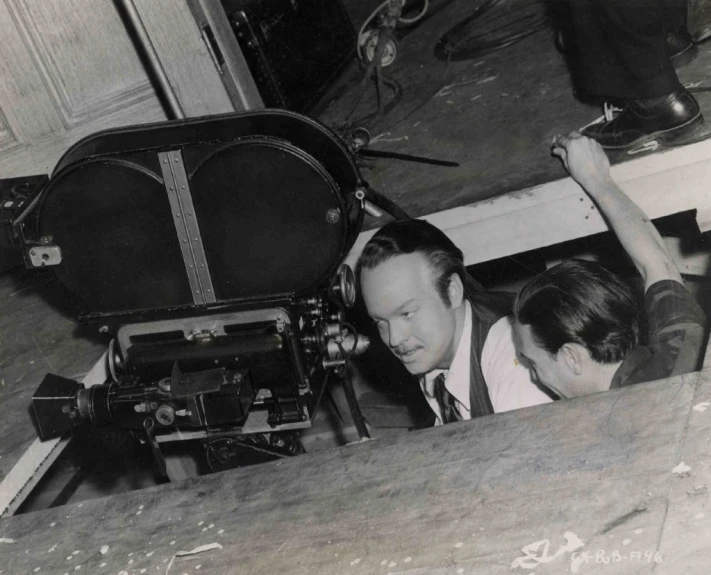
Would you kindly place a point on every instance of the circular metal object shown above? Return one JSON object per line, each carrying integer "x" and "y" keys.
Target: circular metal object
{"x": 114, "y": 360}
{"x": 165, "y": 415}
{"x": 331, "y": 330}
{"x": 333, "y": 216}
{"x": 360, "y": 137}
{"x": 371, "y": 44}
{"x": 346, "y": 285}
{"x": 93, "y": 403}
{"x": 164, "y": 385}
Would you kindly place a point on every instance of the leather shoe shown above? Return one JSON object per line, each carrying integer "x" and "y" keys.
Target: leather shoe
{"x": 669, "y": 120}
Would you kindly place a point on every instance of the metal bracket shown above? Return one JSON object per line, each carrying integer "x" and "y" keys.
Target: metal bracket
{"x": 213, "y": 324}
{"x": 41, "y": 256}
{"x": 186, "y": 226}
{"x": 202, "y": 335}
{"x": 226, "y": 53}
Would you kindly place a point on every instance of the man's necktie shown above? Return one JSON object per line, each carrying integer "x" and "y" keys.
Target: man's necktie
{"x": 446, "y": 401}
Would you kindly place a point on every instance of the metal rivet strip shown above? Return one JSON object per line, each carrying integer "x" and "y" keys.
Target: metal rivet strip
{"x": 186, "y": 226}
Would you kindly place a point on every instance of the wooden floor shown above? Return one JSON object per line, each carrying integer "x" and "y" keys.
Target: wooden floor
{"x": 38, "y": 335}
{"x": 495, "y": 114}
{"x": 617, "y": 482}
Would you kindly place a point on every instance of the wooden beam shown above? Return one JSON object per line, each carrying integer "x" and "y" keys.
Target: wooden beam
{"x": 39, "y": 457}
{"x": 662, "y": 184}
{"x": 185, "y": 55}
{"x": 621, "y": 476}
{"x": 221, "y": 41}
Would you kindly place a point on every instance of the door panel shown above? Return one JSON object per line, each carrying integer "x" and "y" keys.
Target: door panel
{"x": 70, "y": 68}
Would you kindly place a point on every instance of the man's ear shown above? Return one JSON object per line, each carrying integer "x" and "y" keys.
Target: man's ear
{"x": 455, "y": 291}
{"x": 572, "y": 355}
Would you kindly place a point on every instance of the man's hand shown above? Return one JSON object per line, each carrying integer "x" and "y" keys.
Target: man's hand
{"x": 587, "y": 163}
{"x": 584, "y": 159}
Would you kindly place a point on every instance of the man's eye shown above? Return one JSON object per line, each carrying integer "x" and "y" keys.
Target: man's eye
{"x": 409, "y": 314}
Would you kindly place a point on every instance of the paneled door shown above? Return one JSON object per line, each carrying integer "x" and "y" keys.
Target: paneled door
{"x": 69, "y": 68}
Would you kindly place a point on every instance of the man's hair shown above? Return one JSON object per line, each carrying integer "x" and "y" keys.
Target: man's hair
{"x": 406, "y": 237}
{"x": 580, "y": 302}
{"x": 416, "y": 236}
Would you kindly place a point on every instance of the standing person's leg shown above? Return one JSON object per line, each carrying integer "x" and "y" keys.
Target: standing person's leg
{"x": 624, "y": 56}
{"x": 623, "y": 49}
{"x": 680, "y": 44}
{"x": 676, "y": 13}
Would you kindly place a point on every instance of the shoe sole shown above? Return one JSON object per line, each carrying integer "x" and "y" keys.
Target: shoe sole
{"x": 669, "y": 137}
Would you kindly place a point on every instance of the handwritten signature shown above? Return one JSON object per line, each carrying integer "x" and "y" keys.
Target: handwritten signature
{"x": 539, "y": 552}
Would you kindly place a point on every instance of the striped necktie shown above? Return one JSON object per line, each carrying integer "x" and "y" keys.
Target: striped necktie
{"x": 446, "y": 401}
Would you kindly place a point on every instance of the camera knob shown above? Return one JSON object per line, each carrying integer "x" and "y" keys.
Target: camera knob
{"x": 165, "y": 415}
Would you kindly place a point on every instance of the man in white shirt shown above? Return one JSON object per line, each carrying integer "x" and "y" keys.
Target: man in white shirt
{"x": 442, "y": 325}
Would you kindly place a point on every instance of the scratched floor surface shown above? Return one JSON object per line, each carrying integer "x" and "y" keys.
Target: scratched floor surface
{"x": 609, "y": 484}
{"x": 495, "y": 114}
{"x": 37, "y": 335}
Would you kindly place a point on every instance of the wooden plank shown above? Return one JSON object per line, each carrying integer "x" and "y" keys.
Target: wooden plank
{"x": 685, "y": 539}
{"x": 585, "y": 475}
{"x": 664, "y": 184}
{"x": 17, "y": 485}
{"x": 37, "y": 336}
{"x": 234, "y": 70}
{"x": 185, "y": 57}
{"x": 690, "y": 263}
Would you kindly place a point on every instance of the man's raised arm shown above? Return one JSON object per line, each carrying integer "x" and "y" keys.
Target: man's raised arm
{"x": 588, "y": 165}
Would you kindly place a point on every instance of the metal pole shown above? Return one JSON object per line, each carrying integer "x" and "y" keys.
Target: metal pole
{"x": 356, "y": 413}
{"x": 153, "y": 60}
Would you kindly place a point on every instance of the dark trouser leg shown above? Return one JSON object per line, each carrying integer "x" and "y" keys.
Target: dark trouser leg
{"x": 623, "y": 52}
{"x": 680, "y": 44}
{"x": 675, "y": 14}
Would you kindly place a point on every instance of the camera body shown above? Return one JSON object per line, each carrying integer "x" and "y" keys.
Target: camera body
{"x": 211, "y": 250}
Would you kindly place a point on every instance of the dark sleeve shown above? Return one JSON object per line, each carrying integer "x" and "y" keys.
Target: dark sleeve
{"x": 677, "y": 328}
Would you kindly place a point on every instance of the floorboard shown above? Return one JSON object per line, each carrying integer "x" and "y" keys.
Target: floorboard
{"x": 558, "y": 488}
{"x": 38, "y": 334}
{"x": 496, "y": 115}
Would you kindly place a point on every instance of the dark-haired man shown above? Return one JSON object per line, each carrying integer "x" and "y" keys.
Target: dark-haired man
{"x": 442, "y": 325}
{"x": 577, "y": 325}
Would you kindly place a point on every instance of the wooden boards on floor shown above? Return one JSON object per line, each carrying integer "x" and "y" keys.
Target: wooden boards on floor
{"x": 616, "y": 480}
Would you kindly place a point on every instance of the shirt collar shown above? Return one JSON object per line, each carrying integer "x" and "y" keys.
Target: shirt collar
{"x": 457, "y": 376}
{"x": 638, "y": 358}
